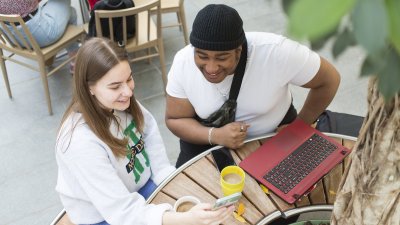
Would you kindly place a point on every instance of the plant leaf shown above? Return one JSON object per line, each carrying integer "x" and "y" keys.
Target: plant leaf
{"x": 368, "y": 68}
{"x": 389, "y": 77}
{"x": 320, "y": 42}
{"x": 370, "y": 24}
{"x": 240, "y": 209}
{"x": 344, "y": 40}
{"x": 374, "y": 63}
{"x": 286, "y": 4}
{"x": 312, "y": 19}
{"x": 393, "y": 10}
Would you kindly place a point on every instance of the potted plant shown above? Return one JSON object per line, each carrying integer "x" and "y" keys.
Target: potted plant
{"x": 369, "y": 192}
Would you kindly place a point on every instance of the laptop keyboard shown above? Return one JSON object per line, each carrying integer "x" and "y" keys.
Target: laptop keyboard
{"x": 288, "y": 173}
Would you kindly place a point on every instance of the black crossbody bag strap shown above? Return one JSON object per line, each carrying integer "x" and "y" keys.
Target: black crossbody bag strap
{"x": 239, "y": 73}
{"x": 227, "y": 112}
{"x": 290, "y": 115}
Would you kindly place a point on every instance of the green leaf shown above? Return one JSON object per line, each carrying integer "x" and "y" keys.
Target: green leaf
{"x": 286, "y": 4}
{"x": 393, "y": 10}
{"x": 318, "y": 44}
{"x": 374, "y": 63}
{"x": 369, "y": 68}
{"x": 389, "y": 77}
{"x": 370, "y": 24}
{"x": 313, "y": 19}
{"x": 344, "y": 40}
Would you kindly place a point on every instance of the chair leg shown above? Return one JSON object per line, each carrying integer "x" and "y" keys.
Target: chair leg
{"x": 5, "y": 75}
{"x": 183, "y": 24}
{"x": 43, "y": 75}
{"x": 179, "y": 21}
{"x": 162, "y": 62}
{"x": 148, "y": 53}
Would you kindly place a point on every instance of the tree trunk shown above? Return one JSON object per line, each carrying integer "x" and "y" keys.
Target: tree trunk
{"x": 369, "y": 192}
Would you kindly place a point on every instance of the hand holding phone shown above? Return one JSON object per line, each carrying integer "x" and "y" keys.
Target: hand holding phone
{"x": 227, "y": 200}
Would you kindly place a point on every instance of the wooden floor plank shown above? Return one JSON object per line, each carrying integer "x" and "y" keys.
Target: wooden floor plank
{"x": 251, "y": 213}
{"x": 279, "y": 203}
{"x": 350, "y": 145}
{"x": 255, "y": 194}
{"x": 246, "y": 149}
{"x": 303, "y": 201}
{"x": 206, "y": 175}
{"x": 331, "y": 183}
{"x": 182, "y": 185}
{"x": 163, "y": 198}
{"x": 339, "y": 140}
{"x": 317, "y": 196}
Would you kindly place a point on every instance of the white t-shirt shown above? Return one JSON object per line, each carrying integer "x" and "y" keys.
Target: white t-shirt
{"x": 273, "y": 63}
{"x": 94, "y": 185}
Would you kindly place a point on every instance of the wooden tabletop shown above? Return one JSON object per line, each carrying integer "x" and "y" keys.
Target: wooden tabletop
{"x": 200, "y": 178}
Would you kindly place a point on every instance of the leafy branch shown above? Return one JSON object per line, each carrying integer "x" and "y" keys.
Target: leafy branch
{"x": 372, "y": 24}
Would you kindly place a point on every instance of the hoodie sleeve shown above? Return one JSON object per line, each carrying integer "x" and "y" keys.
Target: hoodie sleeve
{"x": 159, "y": 163}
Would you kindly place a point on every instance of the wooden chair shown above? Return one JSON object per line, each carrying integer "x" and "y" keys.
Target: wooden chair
{"x": 175, "y": 6}
{"x": 9, "y": 43}
{"x": 148, "y": 33}
{"x": 61, "y": 219}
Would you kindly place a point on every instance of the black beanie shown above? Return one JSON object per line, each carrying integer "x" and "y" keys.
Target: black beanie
{"x": 217, "y": 28}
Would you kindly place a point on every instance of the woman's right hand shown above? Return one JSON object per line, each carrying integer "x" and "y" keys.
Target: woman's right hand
{"x": 200, "y": 214}
{"x": 232, "y": 135}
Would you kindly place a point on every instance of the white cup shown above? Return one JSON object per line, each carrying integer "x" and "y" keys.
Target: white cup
{"x": 185, "y": 203}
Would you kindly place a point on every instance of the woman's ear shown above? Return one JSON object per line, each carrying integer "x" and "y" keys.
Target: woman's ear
{"x": 239, "y": 49}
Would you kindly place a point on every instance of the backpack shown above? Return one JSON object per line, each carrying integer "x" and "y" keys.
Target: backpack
{"x": 340, "y": 123}
{"x": 117, "y": 22}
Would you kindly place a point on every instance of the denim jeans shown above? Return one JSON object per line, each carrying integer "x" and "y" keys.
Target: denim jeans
{"x": 145, "y": 191}
{"x": 49, "y": 23}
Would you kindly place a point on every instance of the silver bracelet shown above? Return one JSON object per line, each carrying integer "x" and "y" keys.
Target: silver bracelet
{"x": 209, "y": 134}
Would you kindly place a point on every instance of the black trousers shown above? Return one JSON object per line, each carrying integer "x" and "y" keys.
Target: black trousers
{"x": 189, "y": 151}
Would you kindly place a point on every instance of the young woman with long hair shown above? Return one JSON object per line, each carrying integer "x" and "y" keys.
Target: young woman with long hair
{"x": 109, "y": 151}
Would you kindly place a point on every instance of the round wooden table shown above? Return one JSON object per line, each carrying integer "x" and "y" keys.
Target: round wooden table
{"x": 200, "y": 178}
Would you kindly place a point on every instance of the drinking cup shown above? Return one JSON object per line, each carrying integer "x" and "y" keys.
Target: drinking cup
{"x": 185, "y": 203}
{"x": 232, "y": 180}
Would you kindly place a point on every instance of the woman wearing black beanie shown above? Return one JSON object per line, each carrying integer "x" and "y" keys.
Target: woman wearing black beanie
{"x": 248, "y": 75}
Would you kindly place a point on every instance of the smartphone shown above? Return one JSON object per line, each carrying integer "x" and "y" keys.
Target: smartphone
{"x": 223, "y": 158}
{"x": 227, "y": 200}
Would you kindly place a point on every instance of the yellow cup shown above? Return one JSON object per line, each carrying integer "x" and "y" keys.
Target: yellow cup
{"x": 232, "y": 180}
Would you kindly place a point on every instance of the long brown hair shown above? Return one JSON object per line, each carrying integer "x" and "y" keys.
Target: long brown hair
{"x": 94, "y": 59}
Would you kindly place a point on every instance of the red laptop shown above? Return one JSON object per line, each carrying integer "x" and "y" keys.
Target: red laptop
{"x": 292, "y": 161}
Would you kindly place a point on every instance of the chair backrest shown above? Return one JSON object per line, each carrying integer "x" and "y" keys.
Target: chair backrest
{"x": 146, "y": 30}
{"x": 117, "y": 22}
{"x": 13, "y": 39}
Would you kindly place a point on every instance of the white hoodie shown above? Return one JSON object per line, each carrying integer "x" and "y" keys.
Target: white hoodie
{"x": 95, "y": 186}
